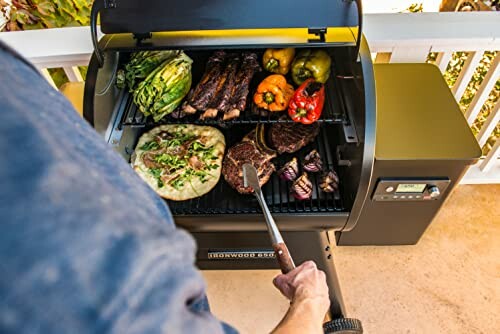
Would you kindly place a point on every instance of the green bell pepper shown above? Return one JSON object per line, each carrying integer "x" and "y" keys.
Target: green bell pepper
{"x": 311, "y": 64}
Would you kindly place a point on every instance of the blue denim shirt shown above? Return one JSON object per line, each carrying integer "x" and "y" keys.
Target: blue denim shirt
{"x": 85, "y": 245}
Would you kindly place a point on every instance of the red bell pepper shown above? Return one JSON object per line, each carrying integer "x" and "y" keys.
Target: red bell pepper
{"x": 307, "y": 102}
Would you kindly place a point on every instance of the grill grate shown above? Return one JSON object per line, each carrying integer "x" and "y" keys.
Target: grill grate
{"x": 332, "y": 114}
{"x": 225, "y": 200}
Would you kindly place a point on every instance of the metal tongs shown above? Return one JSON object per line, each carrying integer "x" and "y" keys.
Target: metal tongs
{"x": 283, "y": 256}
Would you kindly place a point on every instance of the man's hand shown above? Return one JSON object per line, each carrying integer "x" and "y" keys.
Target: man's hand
{"x": 306, "y": 288}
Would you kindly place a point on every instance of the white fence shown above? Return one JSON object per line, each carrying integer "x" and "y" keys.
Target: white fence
{"x": 392, "y": 37}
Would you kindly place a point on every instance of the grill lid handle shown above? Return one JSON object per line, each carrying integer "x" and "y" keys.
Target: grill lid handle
{"x": 96, "y": 8}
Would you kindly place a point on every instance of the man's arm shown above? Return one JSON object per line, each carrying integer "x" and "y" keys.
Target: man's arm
{"x": 306, "y": 288}
{"x": 85, "y": 245}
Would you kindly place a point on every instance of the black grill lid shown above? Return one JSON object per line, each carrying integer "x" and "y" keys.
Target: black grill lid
{"x": 145, "y": 16}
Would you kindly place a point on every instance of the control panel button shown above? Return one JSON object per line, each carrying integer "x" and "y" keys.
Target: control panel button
{"x": 433, "y": 191}
{"x": 403, "y": 196}
{"x": 389, "y": 189}
{"x": 410, "y": 196}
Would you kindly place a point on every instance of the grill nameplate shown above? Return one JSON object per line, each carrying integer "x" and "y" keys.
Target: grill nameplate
{"x": 256, "y": 254}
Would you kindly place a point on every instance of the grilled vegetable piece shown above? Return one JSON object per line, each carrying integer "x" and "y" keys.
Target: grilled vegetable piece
{"x": 260, "y": 140}
{"x": 329, "y": 182}
{"x": 312, "y": 162}
{"x": 290, "y": 170}
{"x": 273, "y": 93}
{"x": 278, "y": 60}
{"x": 142, "y": 63}
{"x": 307, "y": 102}
{"x": 302, "y": 188}
{"x": 164, "y": 88}
{"x": 238, "y": 101}
{"x": 205, "y": 90}
{"x": 311, "y": 64}
{"x": 120, "y": 79}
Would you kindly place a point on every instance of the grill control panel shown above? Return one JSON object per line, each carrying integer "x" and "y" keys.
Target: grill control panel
{"x": 410, "y": 189}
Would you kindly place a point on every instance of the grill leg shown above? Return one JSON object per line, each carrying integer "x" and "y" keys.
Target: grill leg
{"x": 315, "y": 246}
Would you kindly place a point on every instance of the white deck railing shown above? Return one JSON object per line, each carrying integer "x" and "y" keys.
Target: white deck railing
{"x": 392, "y": 37}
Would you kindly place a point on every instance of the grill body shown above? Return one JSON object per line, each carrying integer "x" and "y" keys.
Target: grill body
{"x": 229, "y": 227}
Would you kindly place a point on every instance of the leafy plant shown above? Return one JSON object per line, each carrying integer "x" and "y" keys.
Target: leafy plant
{"x": 415, "y": 8}
{"x": 39, "y": 14}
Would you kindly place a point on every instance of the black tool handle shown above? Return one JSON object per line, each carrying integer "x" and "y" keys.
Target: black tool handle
{"x": 284, "y": 258}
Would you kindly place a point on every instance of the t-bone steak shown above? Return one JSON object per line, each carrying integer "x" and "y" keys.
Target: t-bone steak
{"x": 244, "y": 152}
{"x": 291, "y": 137}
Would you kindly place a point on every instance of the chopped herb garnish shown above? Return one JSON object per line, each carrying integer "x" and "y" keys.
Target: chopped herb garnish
{"x": 152, "y": 145}
{"x": 197, "y": 146}
{"x": 172, "y": 161}
{"x": 189, "y": 146}
{"x": 174, "y": 142}
{"x": 202, "y": 175}
{"x": 156, "y": 172}
{"x": 177, "y": 183}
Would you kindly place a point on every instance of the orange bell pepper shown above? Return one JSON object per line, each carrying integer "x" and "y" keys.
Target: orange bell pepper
{"x": 273, "y": 93}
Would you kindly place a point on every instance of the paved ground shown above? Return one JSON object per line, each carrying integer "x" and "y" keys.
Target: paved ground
{"x": 448, "y": 283}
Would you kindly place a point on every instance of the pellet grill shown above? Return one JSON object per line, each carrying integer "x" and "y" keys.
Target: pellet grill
{"x": 393, "y": 133}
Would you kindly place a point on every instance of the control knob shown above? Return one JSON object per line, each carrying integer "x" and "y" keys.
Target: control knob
{"x": 433, "y": 191}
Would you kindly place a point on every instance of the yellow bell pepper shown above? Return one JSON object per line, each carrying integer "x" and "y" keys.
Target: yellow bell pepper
{"x": 278, "y": 60}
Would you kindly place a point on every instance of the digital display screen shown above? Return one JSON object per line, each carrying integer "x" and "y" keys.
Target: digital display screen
{"x": 410, "y": 188}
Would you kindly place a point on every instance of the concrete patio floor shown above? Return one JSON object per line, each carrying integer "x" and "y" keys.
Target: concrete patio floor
{"x": 448, "y": 283}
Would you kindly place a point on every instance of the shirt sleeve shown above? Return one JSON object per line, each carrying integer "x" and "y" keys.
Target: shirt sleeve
{"x": 85, "y": 245}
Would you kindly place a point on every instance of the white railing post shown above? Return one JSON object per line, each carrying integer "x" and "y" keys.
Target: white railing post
{"x": 48, "y": 77}
{"x": 491, "y": 159}
{"x": 73, "y": 74}
{"x": 484, "y": 90}
{"x": 489, "y": 125}
{"x": 410, "y": 54}
{"x": 443, "y": 59}
{"x": 466, "y": 73}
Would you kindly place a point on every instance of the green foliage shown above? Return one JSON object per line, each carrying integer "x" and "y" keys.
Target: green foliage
{"x": 415, "y": 8}
{"x": 39, "y": 14}
{"x": 58, "y": 76}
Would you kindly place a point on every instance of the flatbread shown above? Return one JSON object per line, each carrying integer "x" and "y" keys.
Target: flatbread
{"x": 181, "y": 161}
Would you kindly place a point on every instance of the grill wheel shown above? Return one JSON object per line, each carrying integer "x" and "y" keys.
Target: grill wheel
{"x": 343, "y": 326}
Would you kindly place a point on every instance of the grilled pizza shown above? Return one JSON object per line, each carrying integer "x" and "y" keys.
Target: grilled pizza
{"x": 180, "y": 162}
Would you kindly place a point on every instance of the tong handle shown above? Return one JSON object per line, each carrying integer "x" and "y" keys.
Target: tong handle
{"x": 284, "y": 258}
